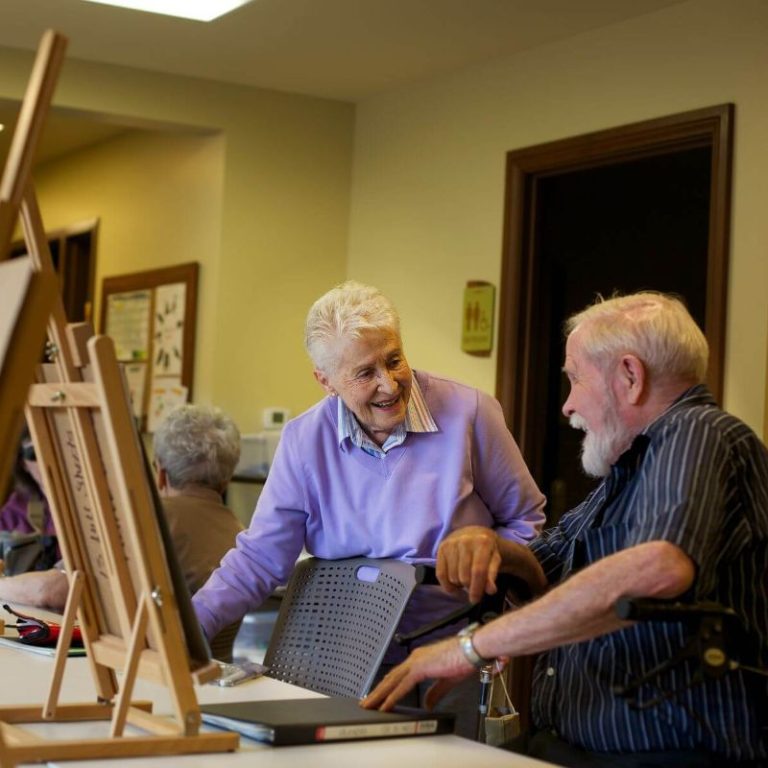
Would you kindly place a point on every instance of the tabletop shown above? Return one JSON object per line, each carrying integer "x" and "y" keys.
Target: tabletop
{"x": 26, "y": 678}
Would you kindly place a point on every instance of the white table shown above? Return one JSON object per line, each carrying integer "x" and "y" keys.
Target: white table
{"x": 25, "y": 679}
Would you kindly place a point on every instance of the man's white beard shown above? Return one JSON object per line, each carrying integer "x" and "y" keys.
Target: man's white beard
{"x": 600, "y": 450}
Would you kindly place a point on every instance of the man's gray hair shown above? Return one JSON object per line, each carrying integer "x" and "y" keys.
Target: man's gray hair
{"x": 197, "y": 445}
{"x": 655, "y": 327}
{"x": 346, "y": 311}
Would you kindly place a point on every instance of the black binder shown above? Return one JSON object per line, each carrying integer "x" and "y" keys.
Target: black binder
{"x": 321, "y": 720}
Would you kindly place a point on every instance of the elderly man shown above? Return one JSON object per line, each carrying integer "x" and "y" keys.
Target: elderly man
{"x": 196, "y": 450}
{"x": 682, "y": 513}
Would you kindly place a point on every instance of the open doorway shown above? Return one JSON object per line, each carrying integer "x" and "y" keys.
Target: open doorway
{"x": 644, "y": 206}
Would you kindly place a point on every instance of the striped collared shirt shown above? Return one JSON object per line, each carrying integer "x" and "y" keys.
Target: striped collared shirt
{"x": 417, "y": 419}
{"x": 698, "y": 478}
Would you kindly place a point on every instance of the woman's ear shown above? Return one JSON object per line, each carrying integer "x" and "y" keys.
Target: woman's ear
{"x": 322, "y": 379}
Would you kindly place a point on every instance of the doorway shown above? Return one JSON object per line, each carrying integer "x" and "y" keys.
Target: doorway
{"x": 644, "y": 206}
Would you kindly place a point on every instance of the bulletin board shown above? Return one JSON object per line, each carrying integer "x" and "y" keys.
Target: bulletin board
{"x": 151, "y": 318}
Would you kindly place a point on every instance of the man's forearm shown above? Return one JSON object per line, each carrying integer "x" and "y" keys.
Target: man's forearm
{"x": 583, "y": 606}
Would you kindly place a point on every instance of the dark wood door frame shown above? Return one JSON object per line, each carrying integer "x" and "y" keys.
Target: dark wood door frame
{"x": 516, "y": 376}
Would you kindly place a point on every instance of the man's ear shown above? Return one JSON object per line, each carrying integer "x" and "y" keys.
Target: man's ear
{"x": 632, "y": 379}
{"x": 322, "y": 379}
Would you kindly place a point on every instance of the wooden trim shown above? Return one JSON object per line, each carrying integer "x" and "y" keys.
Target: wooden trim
{"x": 765, "y": 411}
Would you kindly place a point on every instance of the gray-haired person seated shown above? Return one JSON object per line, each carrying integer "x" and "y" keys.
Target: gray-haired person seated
{"x": 196, "y": 449}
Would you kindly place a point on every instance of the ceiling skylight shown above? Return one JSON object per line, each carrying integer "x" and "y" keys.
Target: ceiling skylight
{"x": 199, "y": 10}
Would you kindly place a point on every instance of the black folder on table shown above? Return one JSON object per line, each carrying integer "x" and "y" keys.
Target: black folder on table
{"x": 318, "y": 720}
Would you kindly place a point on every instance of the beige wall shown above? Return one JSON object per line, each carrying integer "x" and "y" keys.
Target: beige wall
{"x": 427, "y": 189}
{"x": 158, "y": 200}
{"x": 261, "y": 201}
{"x": 428, "y": 182}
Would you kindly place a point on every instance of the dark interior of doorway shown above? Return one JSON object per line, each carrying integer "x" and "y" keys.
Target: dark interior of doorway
{"x": 642, "y": 224}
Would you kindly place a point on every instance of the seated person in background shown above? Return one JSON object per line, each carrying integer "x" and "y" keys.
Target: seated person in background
{"x": 682, "y": 513}
{"x": 196, "y": 450}
{"x": 26, "y": 509}
{"x": 385, "y": 466}
{"x": 24, "y": 513}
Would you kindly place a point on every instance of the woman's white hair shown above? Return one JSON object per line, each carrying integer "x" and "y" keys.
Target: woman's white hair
{"x": 346, "y": 311}
{"x": 655, "y": 327}
{"x": 197, "y": 445}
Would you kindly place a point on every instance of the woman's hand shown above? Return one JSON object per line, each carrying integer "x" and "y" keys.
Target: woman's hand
{"x": 469, "y": 559}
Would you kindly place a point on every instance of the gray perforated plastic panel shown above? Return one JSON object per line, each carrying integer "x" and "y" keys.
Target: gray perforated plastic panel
{"x": 335, "y": 623}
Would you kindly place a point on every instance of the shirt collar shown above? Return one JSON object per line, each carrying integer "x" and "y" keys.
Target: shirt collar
{"x": 696, "y": 395}
{"x": 418, "y": 418}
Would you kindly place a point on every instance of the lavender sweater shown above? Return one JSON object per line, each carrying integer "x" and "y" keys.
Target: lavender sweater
{"x": 338, "y": 501}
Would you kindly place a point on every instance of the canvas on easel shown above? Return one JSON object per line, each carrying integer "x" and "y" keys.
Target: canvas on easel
{"x": 134, "y": 612}
{"x": 26, "y": 299}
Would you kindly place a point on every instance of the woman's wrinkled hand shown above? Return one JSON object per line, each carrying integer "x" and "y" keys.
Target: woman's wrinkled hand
{"x": 469, "y": 559}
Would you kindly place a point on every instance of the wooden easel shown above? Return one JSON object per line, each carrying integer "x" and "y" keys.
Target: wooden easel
{"x": 24, "y": 330}
{"x": 95, "y": 478}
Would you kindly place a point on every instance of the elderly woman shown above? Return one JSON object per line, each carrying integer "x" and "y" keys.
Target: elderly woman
{"x": 388, "y": 465}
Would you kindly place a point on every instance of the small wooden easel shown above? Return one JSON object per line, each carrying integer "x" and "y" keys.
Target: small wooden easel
{"x": 134, "y": 615}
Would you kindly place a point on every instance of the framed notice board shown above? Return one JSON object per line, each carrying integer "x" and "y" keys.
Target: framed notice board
{"x": 151, "y": 318}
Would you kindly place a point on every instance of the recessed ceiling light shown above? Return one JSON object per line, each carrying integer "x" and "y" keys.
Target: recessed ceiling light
{"x": 199, "y": 10}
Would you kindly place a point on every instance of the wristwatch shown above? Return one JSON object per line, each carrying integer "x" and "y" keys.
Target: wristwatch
{"x": 468, "y": 647}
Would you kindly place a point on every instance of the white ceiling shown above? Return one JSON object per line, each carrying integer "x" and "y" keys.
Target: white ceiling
{"x": 338, "y": 49}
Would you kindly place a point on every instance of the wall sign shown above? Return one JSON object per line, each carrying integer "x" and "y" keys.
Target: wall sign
{"x": 477, "y": 318}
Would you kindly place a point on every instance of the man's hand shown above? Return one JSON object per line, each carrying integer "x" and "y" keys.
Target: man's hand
{"x": 442, "y": 660}
{"x": 469, "y": 558}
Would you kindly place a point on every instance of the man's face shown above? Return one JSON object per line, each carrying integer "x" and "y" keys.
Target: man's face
{"x": 593, "y": 407}
{"x": 371, "y": 375}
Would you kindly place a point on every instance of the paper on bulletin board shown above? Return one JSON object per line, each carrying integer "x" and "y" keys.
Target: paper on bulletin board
{"x": 168, "y": 329}
{"x": 128, "y": 323}
{"x": 163, "y": 398}
{"x": 477, "y": 318}
{"x": 136, "y": 376}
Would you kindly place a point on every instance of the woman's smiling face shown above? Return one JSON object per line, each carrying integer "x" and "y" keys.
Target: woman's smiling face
{"x": 373, "y": 378}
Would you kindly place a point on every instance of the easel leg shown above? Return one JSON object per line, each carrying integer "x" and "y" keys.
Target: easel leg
{"x": 134, "y": 651}
{"x": 65, "y": 640}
